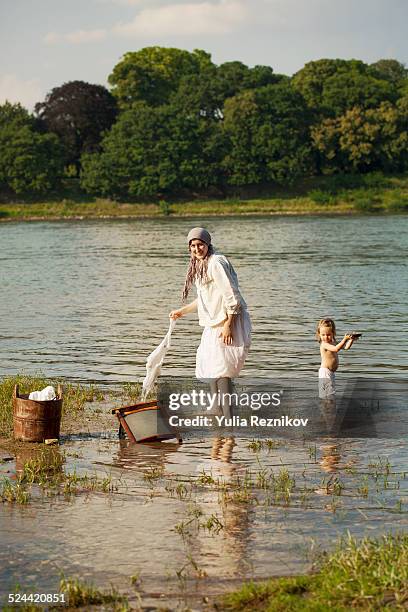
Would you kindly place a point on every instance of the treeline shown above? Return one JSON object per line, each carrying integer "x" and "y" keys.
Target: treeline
{"x": 176, "y": 123}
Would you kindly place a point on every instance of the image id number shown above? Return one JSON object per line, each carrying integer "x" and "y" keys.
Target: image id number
{"x": 36, "y": 598}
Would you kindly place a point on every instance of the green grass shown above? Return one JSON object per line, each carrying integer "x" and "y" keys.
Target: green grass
{"x": 359, "y": 575}
{"x": 79, "y": 594}
{"x": 75, "y": 397}
{"x": 45, "y": 469}
{"x": 325, "y": 194}
{"x": 13, "y": 492}
{"x": 131, "y": 392}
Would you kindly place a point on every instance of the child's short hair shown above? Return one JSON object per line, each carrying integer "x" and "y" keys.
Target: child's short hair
{"x": 325, "y": 323}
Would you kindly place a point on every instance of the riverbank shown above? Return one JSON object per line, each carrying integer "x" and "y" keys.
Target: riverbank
{"x": 368, "y": 575}
{"x": 86, "y": 408}
{"x": 324, "y": 195}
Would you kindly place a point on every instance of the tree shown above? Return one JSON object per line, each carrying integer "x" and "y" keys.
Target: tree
{"x": 153, "y": 74}
{"x": 365, "y": 139}
{"x": 390, "y": 70}
{"x": 29, "y": 160}
{"x": 14, "y": 113}
{"x": 199, "y": 94}
{"x": 330, "y": 87}
{"x": 268, "y": 135}
{"x": 155, "y": 151}
{"x": 206, "y": 91}
{"x": 79, "y": 113}
{"x": 235, "y": 77}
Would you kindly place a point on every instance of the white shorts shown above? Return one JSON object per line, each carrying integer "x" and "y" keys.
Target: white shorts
{"x": 215, "y": 359}
{"x": 327, "y": 384}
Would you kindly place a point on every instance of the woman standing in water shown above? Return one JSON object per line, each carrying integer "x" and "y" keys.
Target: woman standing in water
{"x": 222, "y": 312}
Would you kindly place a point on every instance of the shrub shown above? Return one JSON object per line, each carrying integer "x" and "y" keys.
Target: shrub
{"x": 398, "y": 202}
{"x": 365, "y": 204}
{"x": 321, "y": 197}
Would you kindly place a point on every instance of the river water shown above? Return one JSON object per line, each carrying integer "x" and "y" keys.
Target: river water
{"x": 88, "y": 301}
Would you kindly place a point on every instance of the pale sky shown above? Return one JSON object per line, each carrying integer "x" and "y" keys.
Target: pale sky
{"x": 45, "y": 43}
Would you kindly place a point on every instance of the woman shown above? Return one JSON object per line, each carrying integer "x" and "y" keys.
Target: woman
{"x": 222, "y": 312}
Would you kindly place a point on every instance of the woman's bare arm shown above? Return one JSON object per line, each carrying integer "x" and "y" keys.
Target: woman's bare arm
{"x": 187, "y": 309}
{"x": 226, "y": 332}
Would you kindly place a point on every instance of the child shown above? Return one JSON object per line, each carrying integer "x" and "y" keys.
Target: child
{"x": 326, "y": 336}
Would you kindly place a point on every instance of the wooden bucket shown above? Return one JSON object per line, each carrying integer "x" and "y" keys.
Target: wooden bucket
{"x": 36, "y": 421}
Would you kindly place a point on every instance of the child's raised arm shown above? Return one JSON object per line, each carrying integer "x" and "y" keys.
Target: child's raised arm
{"x": 335, "y": 348}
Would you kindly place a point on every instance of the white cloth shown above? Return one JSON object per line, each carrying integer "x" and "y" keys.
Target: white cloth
{"x": 327, "y": 383}
{"x": 45, "y": 395}
{"x": 155, "y": 361}
{"x": 215, "y": 359}
{"x": 220, "y": 295}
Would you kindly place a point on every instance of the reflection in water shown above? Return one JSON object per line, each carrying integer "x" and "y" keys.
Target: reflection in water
{"x": 354, "y": 414}
{"x": 330, "y": 458}
{"x": 222, "y": 448}
{"x": 229, "y": 517}
{"x": 222, "y": 535}
{"x": 153, "y": 455}
{"x": 330, "y": 415}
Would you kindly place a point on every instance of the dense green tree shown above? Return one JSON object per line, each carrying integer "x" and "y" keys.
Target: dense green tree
{"x": 159, "y": 75}
{"x": 14, "y": 113}
{"x": 312, "y": 78}
{"x": 153, "y": 74}
{"x": 394, "y": 72}
{"x": 79, "y": 113}
{"x": 199, "y": 94}
{"x": 30, "y": 161}
{"x": 268, "y": 135}
{"x": 235, "y": 77}
{"x": 365, "y": 139}
{"x": 330, "y": 87}
{"x": 205, "y": 92}
{"x": 175, "y": 122}
{"x": 155, "y": 151}
{"x": 390, "y": 70}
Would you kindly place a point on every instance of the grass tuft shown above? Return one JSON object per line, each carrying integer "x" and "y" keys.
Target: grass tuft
{"x": 358, "y": 575}
{"x": 13, "y": 493}
{"x": 79, "y": 594}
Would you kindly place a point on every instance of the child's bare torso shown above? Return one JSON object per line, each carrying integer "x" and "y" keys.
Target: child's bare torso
{"x": 330, "y": 360}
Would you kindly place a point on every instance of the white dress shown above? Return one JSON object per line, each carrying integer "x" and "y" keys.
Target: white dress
{"x": 217, "y": 298}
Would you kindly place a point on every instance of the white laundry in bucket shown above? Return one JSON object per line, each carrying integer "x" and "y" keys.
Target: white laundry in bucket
{"x": 45, "y": 395}
{"x": 155, "y": 361}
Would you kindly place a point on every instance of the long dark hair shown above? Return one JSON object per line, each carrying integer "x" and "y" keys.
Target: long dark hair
{"x": 197, "y": 270}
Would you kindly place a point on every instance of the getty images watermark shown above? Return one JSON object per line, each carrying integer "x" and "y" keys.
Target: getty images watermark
{"x": 285, "y": 407}
{"x": 211, "y": 402}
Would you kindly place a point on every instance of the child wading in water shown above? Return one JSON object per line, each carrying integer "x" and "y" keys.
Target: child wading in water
{"x": 326, "y": 336}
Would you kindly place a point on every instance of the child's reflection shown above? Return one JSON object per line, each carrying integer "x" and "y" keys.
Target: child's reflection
{"x": 330, "y": 458}
{"x": 222, "y": 448}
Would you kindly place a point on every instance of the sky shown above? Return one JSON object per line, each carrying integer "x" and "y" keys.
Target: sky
{"x": 45, "y": 43}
